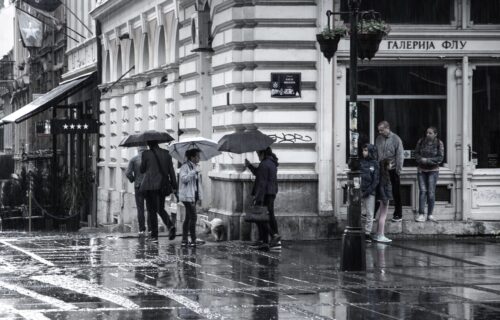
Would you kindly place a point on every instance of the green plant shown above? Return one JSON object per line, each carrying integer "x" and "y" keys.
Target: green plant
{"x": 366, "y": 26}
{"x": 332, "y": 33}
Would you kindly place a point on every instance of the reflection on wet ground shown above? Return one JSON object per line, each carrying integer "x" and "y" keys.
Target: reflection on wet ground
{"x": 47, "y": 276}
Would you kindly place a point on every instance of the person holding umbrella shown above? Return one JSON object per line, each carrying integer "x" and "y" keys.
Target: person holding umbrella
{"x": 159, "y": 181}
{"x": 190, "y": 152}
{"x": 264, "y": 192}
{"x": 189, "y": 194}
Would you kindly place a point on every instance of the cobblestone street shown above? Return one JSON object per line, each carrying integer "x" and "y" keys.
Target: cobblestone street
{"x": 47, "y": 276}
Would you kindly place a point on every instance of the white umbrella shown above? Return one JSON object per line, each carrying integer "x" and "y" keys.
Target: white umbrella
{"x": 207, "y": 147}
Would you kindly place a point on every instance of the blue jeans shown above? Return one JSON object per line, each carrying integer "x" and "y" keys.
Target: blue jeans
{"x": 427, "y": 185}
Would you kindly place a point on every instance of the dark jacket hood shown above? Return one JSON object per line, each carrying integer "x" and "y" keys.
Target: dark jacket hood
{"x": 372, "y": 152}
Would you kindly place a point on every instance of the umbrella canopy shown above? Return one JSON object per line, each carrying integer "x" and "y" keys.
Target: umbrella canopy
{"x": 141, "y": 139}
{"x": 207, "y": 147}
{"x": 245, "y": 141}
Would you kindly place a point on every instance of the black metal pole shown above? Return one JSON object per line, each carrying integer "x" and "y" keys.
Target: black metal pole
{"x": 353, "y": 240}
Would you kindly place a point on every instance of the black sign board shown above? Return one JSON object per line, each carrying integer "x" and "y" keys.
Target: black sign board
{"x": 285, "y": 85}
{"x": 74, "y": 126}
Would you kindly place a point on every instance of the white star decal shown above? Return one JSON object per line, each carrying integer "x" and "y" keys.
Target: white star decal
{"x": 72, "y": 126}
{"x": 85, "y": 126}
{"x": 31, "y": 31}
{"x": 79, "y": 126}
{"x": 65, "y": 126}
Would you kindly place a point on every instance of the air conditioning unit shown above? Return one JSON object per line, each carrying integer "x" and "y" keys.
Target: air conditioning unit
{"x": 200, "y": 30}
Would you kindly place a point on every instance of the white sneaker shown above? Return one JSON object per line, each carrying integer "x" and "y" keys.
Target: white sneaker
{"x": 382, "y": 238}
{"x": 421, "y": 218}
{"x": 431, "y": 218}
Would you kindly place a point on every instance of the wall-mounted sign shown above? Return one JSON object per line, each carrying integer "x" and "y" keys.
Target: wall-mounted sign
{"x": 74, "y": 126}
{"x": 285, "y": 85}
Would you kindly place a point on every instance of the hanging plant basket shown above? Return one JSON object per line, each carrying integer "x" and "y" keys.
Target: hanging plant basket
{"x": 371, "y": 31}
{"x": 368, "y": 44}
{"x": 328, "y": 45}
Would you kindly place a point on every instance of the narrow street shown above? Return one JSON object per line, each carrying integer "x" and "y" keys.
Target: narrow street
{"x": 113, "y": 276}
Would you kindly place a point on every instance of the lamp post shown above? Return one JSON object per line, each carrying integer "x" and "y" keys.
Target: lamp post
{"x": 353, "y": 240}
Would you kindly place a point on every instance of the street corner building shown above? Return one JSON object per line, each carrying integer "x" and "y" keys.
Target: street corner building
{"x": 209, "y": 68}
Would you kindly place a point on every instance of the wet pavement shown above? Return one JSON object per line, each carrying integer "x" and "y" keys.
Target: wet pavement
{"x": 72, "y": 276}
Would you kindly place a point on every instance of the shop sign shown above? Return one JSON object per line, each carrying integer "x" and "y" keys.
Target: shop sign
{"x": 426, "y": 45}
{"x": 74, "y": 126}
{"x": 285, "y": 85}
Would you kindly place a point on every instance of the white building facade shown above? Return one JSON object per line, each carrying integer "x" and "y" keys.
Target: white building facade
{"x": 439, "y": 70}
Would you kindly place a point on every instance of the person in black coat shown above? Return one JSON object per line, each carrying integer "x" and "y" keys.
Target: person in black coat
{"x": 159, "y": 181}
{"x": 264, "y": 192}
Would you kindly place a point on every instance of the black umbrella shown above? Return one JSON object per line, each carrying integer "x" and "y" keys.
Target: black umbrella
{"x": 141, "y": 139}
{"x": 244, "y": 141}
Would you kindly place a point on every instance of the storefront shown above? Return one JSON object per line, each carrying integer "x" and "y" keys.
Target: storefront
{"x": 439, "y": 67}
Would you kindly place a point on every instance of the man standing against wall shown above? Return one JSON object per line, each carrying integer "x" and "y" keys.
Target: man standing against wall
{"x": 135, "y": 176}
{"x": 390, "y": 146}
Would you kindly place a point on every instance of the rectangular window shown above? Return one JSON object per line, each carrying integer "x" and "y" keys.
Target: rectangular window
{"x": 410, "y": 118}
{"x": 410, "y": 98}
{"x": 486, "y": 116}
{"x": 443, "y": 194}
{"x": 401, "y": 80}
{"x": 112, "y": 178}
{"x": 408, "y": 11}
{"x": 485, "y": 12}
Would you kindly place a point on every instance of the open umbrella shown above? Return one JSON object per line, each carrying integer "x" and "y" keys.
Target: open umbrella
{"x": 245, "y": 141}
{"x": 141, "y": 139}
{"x": 207, "y": 147}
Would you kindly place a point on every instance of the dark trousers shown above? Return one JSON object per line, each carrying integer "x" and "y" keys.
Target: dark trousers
{"x": 268, "y": 228}
{"x": 189, "y": 225}
{"x": 396, "y": 193}
{"x": 156, "y": 205}
{"x": 139, "y": 203}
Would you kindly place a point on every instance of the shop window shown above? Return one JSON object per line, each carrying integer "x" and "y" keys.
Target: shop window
{"x": 411, "y": 99}
{"x": 485, "y": 12}
{"x": 408, "y": 11}
{"x": 486, "y": 116}
{"x": 399, "y": 80}
{"x": 443, "y": 193}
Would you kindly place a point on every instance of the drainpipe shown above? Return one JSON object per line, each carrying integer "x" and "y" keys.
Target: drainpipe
{"x": 465, "y": 138}
{"x": 97, "y": 107}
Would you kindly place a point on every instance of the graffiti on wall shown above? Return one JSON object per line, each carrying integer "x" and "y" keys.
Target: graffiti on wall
{"x": 290, "y": 138}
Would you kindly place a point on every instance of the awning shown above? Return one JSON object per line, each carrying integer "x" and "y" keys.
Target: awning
{"x": 51, "y": 98}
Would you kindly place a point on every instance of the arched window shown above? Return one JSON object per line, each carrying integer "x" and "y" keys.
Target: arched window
{"x": 145, "y": 54}
{"x": 107, "y": 73}
{"x": 119, "y": 69}
{"x": 131, "y": 58}
{"x": 162, "y": 52}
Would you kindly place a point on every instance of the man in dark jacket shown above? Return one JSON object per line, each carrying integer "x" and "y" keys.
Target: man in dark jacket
{"x": 135, "y": 176}
{"x": 158, "y": 182}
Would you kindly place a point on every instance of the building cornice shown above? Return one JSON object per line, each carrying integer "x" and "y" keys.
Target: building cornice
{"x": 107, "y": 7}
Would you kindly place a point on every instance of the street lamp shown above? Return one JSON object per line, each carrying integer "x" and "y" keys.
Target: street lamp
{"x": 353, "y": 240}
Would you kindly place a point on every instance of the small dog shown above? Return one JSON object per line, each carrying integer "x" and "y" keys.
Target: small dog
{"x": 216, "y": 228}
